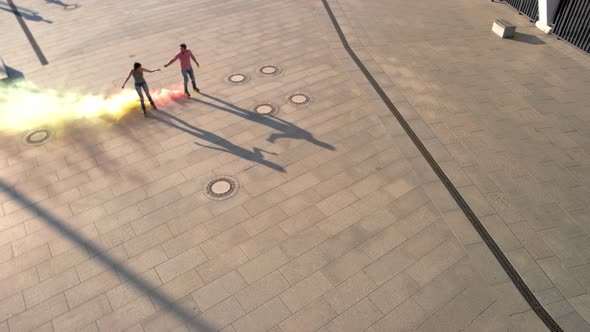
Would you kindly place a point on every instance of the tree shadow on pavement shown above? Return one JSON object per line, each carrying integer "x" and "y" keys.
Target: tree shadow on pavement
{"x": 287, "y": 129}
{"x": 224, "y": 145}
{"x": 111, "y": 263}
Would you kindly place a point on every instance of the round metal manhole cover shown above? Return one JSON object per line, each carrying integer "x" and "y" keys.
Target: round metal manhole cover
{"x": 71, "y": 7}
{"x": 266, "y": 110}
{"x": 37, "y": 137}
{"x": 300, "y": 99}
{"x": 269, "y": 70}
{"x": 238, "y": 78}
{"x": 222, "y": 187}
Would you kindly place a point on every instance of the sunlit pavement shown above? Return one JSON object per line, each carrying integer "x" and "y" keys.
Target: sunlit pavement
{"x": 205, "y": 215}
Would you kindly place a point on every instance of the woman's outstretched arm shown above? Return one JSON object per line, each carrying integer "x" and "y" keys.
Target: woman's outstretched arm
{"x": 127, "y": 79}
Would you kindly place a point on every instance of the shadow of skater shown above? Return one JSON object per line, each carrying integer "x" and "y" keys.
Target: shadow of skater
{"x": 167, "y": 303}
{"x": 224, "y": 145}
{"x": 57, "y": 2}
{"x": 287, "y": 129}
{"x": 27, "y": 14}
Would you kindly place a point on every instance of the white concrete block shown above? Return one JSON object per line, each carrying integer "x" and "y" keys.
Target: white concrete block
{"x": 504, "y": 28}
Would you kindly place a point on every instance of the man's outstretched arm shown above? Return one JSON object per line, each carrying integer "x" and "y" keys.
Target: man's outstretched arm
{"x": 195, "y": 60}
{"x": 171, "y": 61}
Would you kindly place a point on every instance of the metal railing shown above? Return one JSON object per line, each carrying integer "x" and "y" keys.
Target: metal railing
{"x": 529, "y": 8}
{"x": 572, "y": 23}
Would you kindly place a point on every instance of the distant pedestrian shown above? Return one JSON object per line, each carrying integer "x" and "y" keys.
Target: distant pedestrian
{"x": 186, "y": 69}
{"x": 140, "y": 83}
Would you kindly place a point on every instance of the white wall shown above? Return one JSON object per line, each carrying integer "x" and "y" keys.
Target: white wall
{"x": 547, "y": 10}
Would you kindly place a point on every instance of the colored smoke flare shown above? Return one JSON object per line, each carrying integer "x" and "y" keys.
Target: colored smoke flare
{"x": 23, "y": 106}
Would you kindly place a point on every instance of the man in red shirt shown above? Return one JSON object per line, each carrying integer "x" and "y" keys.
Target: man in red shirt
{"x": 185, "y": 57}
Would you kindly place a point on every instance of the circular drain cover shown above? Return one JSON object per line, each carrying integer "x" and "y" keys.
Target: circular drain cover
{"x": 299, "y": 98}
{"x": 37, "y": 137}
{"x": 71, "y": 7}
{"x": 221, "y": 187}
{"x": 238, "y": 78}
{"x": 265, "y": 109}
{"x": 269, "y": 70}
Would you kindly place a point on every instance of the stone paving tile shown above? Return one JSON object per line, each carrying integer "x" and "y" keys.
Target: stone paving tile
{"x": 222, "y": 264}
{"x": 264, "y": 317}
{"x": 12, "y": 307}
{"x": 124, "y": 317}
{"x": 310, "y": 318}
{"x": 166, "y": 319}
{"x": 574, "y": 322}
{"x": 398, "y": 259}
{"x": 302, "y": 220}
{"x": 180, "y": 264}
{"x": 435, "y": 262}
{"x": 224, "y": 241}
{"x": 263, "y": 241}
{"x": 25, "y": 261}
{"x": 264, "y": 221}
{"x": 347, "y": 265}
{"x": 357, "y": 318}
{"x": 50, "y": 287}
{"x": 186, "y": 240}
{"x": 147, "y": 240}
{"x": 306, "y": 291}
{"x": 349, "y": 292}
{"x": 92, "y": 267}
{"x": 91, "y": 288}
{"x": 38, "y": 315}
{"x": 462, "y": 308}
{"x": 124, "y": 293}
{"x": 84, "y": 314}
{"x": 561, "y": 278}
{"x": 262, "y": 291}
{"x": 15, "y": 284}
{"x": 361, "y": 236}
{"x": 218, "y": 290}
{"x": 223, "y": 314}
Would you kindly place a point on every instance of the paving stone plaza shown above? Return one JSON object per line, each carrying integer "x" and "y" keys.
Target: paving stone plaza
{"x": 287, "y": 196}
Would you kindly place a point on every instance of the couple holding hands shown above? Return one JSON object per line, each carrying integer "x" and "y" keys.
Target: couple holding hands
{"x": 184, "y": 56}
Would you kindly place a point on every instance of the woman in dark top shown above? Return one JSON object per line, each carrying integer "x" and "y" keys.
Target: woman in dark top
{"x": 140, "y": 83}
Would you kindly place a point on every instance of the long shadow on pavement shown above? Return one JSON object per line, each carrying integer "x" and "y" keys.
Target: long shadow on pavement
{"x": 287, "y": 129}
{"x": 57, "y": 2}
{"x": 527, "y": 39}
{"x": 27, "y": 14}
{"x": 224, "y": 145}
{"x": 106, "y": 260}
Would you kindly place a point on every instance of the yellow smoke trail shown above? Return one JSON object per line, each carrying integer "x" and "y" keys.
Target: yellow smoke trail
{"x": 23, "y": 106}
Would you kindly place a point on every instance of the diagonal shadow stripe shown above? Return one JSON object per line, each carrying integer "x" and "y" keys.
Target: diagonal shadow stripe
{"x": 167, "y": 303}
{"x": 28, "y": 33}
{"x": 522, "y": 287}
